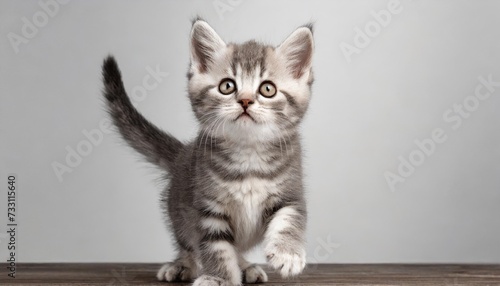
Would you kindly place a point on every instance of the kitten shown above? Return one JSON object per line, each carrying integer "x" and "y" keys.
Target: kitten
{"x": 239, "y": 182}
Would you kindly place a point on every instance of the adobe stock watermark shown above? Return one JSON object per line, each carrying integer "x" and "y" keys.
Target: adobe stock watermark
{"x": 323, "y": 251}
{"x": 223, "y": 6}
{"x": 75, "y": 155}
{"x": 364, "y": 36}
{"x": 31, "y": 27}
{"x": 120, "y": 278}
{"x": 454, "y": 118}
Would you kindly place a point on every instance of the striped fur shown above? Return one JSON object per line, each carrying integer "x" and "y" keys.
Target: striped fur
{"x": 239, "y": 182}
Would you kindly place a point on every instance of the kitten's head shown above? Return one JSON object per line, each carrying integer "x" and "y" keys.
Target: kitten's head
{"x": 249, "y": 91}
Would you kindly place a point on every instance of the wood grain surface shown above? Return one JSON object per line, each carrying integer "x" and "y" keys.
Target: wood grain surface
{"x": 322, "y": 274}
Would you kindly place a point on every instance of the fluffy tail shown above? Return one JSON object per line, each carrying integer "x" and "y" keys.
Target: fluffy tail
{"x": 156, "y": 145}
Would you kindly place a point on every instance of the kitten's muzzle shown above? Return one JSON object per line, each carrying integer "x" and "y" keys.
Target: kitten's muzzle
{"x": 245, "y": 103}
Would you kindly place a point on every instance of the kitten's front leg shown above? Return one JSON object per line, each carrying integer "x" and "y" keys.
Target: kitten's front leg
{"x": 284, "y": 241}
{"x": 219, "y": 257}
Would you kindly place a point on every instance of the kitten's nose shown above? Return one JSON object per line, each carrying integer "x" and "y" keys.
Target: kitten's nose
{"x": 245, "y": 103}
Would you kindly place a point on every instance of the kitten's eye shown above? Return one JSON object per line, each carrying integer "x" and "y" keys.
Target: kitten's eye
{"x": 227, "y": 86}
{"x": 267, "y": 89}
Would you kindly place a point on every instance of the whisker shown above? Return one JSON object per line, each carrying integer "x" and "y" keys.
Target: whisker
{"x": 279, "y": 137}
{"x": 205, "y": 128}
{"x": 206, "y": 133}
{"x": 284, "y": 140}
{"x": 217, "y": 128}
{"x": 210, "y": 133}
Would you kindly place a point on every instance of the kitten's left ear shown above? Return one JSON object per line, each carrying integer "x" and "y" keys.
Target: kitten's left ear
{"x": 205, "y": 43}
{"x": 297, "y": 50}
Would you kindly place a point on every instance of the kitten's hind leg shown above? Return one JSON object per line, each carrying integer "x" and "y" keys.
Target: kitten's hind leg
{"x": 252, "y": 273}
{"x": 183, "y": 269}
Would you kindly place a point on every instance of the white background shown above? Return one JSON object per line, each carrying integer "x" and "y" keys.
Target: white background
{"x": 364, "y": 115}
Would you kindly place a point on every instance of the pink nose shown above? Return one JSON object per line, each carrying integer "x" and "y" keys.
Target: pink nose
{"x": 245, "y": 103}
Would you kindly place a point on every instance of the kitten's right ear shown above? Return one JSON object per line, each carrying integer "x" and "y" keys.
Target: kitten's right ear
{"x": 205, "y": 44}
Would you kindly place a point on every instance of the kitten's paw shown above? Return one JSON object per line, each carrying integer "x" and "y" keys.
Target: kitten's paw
{"x": 288, "y": 262}
{"x": 171, "y": 272}
{"x": 207, "y": 280}
{"x": 254, "y": 274}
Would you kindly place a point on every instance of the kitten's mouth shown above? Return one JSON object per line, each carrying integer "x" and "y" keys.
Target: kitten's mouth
{"x": 244, "y": 115}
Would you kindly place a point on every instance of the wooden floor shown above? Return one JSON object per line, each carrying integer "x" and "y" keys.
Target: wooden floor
{"x": 323, "y": 274}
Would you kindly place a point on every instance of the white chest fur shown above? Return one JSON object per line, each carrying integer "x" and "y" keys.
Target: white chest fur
{"x": 247, "y": 199}
{"x": 251, "y": 158}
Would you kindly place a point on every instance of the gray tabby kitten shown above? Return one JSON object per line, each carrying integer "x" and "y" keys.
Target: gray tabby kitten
{"x": 239, "y": 182}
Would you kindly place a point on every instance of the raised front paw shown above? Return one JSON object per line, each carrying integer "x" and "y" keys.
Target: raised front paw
{"x": 289, "y": 262}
